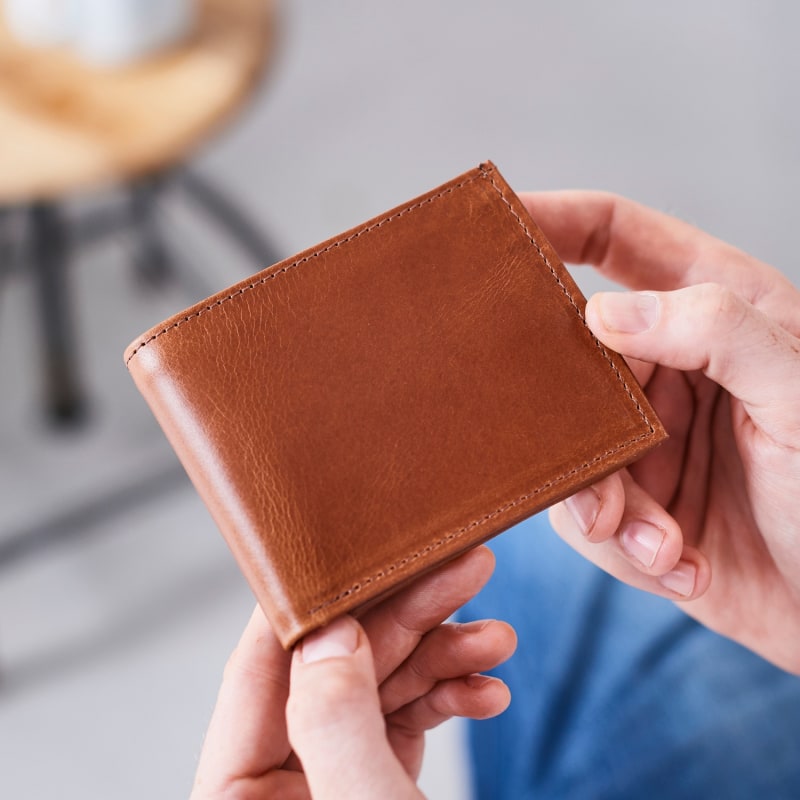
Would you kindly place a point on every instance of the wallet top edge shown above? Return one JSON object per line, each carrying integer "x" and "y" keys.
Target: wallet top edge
{"x": 290, "y": 622}
{"x": 230, "y": 293}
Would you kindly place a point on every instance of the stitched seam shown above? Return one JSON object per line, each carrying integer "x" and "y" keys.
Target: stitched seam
{"x": 453, "y": 535}
{"x": 571, "y": 299}
{"x": 457, "y": 534}
{"x": 355, "y": 235}
{"x": 299, "y": 262}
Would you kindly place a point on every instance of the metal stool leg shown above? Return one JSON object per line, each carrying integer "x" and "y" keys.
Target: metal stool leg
{"x": 9, "y": 244}
{"x": 5, "y": 242}
{"x": 49, "y": 260}
{"x": 152, "y": 257}
{"x": 219, "y": 207}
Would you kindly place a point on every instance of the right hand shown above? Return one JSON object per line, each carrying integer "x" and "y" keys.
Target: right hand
{"x": 712, "y": 517}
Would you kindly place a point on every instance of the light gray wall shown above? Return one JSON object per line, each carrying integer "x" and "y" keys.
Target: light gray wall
{"x": 688, "y": 106}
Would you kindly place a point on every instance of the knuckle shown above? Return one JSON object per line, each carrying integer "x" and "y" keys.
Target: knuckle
{"x": 416, "y": 717}
{"x": 597, "y": 246}
{"x": 321, "y": 701}
{"x": 408, "y": 617}
{"x": 718, "y": 314}
{"x": 719, "y": 305}
{"x": 239, "y": 669}
{"x": 419, "y": 670}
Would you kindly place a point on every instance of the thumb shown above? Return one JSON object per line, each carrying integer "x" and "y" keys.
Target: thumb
{"x": 710, "y": 328}
{"x": 334, "y": 718}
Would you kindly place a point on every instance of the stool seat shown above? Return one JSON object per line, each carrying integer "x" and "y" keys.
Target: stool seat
{"x": 67, "y": 126}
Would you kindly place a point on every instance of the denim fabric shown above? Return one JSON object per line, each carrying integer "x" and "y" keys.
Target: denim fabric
{"x": 618, "y": 694}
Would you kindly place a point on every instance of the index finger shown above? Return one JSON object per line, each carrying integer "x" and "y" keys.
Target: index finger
{"x": 247, "y": 733}
{"x": 642, "y": 248}
{"x": 398, "y": 624}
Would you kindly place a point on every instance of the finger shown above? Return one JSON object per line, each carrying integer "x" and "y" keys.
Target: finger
{"x": 335, "y": 721}
{"x": 448, "y": 651}
{"x": 397, "y": 625}
{"x": 645, "y": 550}
{"x": 626, "y": 241}
{"x": 644, "y": 249}
{"x": 597, "y": 509}
{"x": 661, "y": 471}
{"x": 644, "y": 533}
{"x": 473, "y": 696}
{"x": 710, "y": 328}
{"x": 246, "y": 736}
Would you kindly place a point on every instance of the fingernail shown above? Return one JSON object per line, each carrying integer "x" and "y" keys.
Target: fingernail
{"x": 338, "y": 639}
{"x": 476, "y": 681}
{"x": 476, "y": 626}
{"x": 584, "y": 507}
{"x": 628, "y": 312}
{"x": 642, "y": 541}
{"x": 681, "y": 579}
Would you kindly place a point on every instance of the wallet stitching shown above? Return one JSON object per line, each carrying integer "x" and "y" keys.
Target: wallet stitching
{"x": 378, "y": 576}
{"x": 457, "y": 534}
{"x": 483, "y": 173}
{"x": 571, "y": 299}
{"x": 334, "y": 244}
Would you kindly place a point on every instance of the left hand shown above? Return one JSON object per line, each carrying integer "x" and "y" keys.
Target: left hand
{"x": 345, "y": 714}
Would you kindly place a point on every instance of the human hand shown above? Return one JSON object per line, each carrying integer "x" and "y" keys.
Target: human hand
{"x": 345, "y": 714}
{"x": 712, "y": 334}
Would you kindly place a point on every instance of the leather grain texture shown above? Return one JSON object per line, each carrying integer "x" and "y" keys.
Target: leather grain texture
{"x": 374, "y": 406}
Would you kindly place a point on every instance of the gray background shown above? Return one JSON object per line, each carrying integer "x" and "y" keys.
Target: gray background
{"x": 118, "y": 601}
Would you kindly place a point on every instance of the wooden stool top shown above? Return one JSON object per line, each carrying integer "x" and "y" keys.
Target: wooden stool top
{"x": 66, "y": 126}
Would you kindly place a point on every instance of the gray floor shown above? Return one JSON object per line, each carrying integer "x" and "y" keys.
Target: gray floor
{"x": 118, "y": 601}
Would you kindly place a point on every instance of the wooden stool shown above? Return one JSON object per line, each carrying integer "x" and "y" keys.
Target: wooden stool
{"x": 66, "y": 127}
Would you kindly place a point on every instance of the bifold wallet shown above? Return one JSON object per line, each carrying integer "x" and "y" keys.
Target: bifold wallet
{"x": 364, "y": 411}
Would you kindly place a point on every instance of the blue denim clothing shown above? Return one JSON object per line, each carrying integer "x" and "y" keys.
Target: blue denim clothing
{"x": 618, "y": 694}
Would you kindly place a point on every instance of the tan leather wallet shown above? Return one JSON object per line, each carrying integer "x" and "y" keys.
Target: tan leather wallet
{"x": 370, "y": 408}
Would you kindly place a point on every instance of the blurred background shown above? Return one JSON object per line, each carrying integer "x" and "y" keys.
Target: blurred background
{"x": 135, "y": 180}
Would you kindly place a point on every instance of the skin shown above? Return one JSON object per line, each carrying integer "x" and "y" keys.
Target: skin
{"x": 345, "y": 714}
{"x": 708, "y": 520}
{"x": 714, "y": 337}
